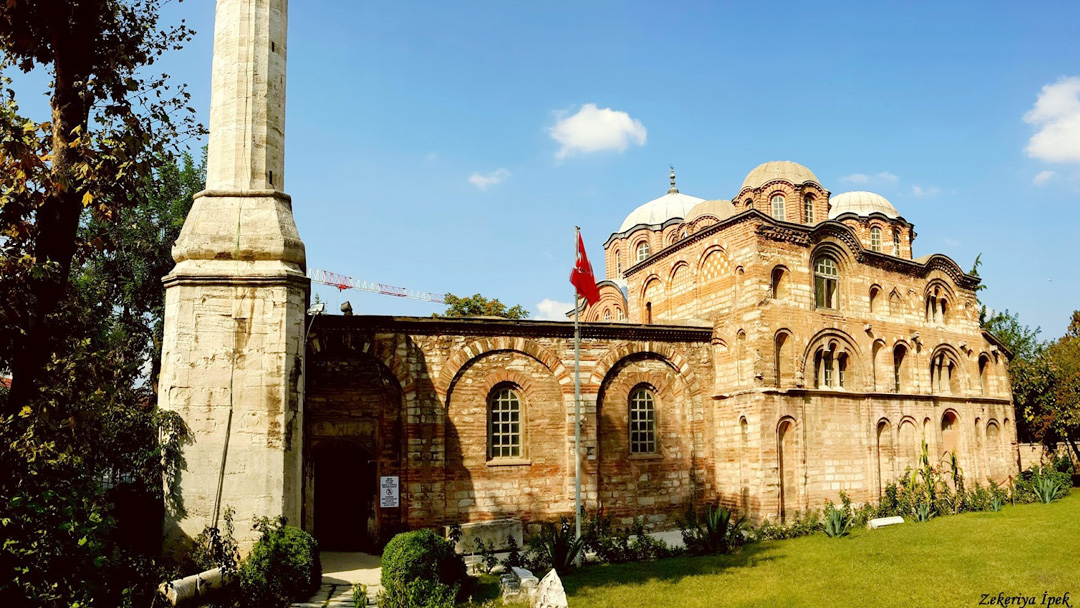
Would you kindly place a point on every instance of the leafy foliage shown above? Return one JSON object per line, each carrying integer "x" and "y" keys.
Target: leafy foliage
{"x": 479, "y": 306}
{"x": 1020, "y": 339}
{"x": 419, "y": 561}
{"x": 615, "y": 546}
{"x": 283, "y": 566}
{"x": 80, "y": 461}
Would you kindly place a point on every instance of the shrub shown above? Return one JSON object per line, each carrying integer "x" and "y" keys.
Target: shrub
{"x": 418, "y": 593}
{"x": 1025, "y": 487}
{"x": 513, "y": 553}
{"x": 419, "y": 556}
{"x": 283, "y": 566}
{"x": 799, "y": 525}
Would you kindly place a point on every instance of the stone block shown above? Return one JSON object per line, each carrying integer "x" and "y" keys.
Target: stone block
{"x": 495, "y": 532}
{"x": 881, "y": 522}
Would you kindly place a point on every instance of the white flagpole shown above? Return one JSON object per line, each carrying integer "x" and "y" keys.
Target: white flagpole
{"x": 577, "y": 405}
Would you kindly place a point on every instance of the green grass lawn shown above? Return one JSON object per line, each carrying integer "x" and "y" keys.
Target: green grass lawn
{"x": 949, "y": 561}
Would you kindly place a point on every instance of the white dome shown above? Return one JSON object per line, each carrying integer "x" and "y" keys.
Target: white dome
{"x": 786, "y": 170}
{"x": 862, "y": 204}
{"x": 673, "y": 205}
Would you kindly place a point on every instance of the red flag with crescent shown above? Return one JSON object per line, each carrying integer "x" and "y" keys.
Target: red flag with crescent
{"x": 582, "y": 276}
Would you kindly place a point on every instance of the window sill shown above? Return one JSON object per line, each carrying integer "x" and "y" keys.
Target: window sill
{"x": 650, "y": 456}
{"x": 509, "y": 462}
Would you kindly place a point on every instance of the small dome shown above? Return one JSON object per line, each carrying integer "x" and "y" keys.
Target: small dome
{"x": 719, "y": 209}
{"x": 673, "y": 205}
{"x": 862, "y": 204}
{"x": 779, "y": 169}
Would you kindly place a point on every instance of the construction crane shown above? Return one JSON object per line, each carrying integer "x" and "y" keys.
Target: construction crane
{"x": 343, "y": 282}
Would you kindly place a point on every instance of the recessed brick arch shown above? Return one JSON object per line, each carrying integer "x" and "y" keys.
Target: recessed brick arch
{"x": 384, "y": 351}
{"x": 460, "y": 361}
{"x": 668, "y": 354}
{"x": 857, "y": 364}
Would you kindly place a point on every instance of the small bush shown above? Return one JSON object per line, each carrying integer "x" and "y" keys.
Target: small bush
{"x": 283, "y": 566}
{"x": 419, "y": 561}
{"x": 418, "y": 593}
{"x": 513, "y": 553}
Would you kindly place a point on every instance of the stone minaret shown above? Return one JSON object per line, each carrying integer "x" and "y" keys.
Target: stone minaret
{"x": 235, "y": 302}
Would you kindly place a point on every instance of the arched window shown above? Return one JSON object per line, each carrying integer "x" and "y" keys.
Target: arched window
{"x": 841, "y": 369}
{"x": 898, "y": 366}
{"x": 944, "y": 305}
{"x": 778, "y": 206}
{"x": 942, "y": 378}
{"x": 749, "y": 204}
{"x": 874, "y": 292}
{"x": 648, "y": 312}
{"x": 984, "y": 361}
{"x": 642, "y": 422}
{"x": 642, "y": 251}
{"x": 607, "y": 314}
{"x": 504, "y": 423}
{"x": 618, "y": 264}
{"x": 778, "y": 281}
{"x": 808, "y": 208}
{"x": 896, "y": 243}
{"x": 619, "y": 314}
{"x": 826, "y": 282}
{"x": 875, "y": 239}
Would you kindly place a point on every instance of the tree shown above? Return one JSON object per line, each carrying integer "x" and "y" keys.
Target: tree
{"x": 111, "y": 124}
{"x": 82, "y": 488}
{"x": 479, "y": 306}
{"x": 1020, "y": 339}
{"x": 124, "y": 275}
{"x": 78, "y": 430}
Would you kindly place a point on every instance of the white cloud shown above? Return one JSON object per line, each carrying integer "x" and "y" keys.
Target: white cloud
{"x": 1043, "y": 177}
{"x": 483, "y": 182}
{"x": 593, "y": 129}
{"x": 550, "y": 310}
{"x": 925, "y": 192}
{"x": 1057, "y": 115}
{"x": 884, "y": 177}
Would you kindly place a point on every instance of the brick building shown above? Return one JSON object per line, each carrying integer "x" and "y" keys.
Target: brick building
{"x": 766, "y": 353}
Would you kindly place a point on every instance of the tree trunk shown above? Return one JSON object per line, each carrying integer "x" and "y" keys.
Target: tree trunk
{"x": 57, "y": 221}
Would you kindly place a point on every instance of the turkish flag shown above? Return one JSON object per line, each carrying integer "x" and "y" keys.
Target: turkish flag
{"x": 582, "y": 277}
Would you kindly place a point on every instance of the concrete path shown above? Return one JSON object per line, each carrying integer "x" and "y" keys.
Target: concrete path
{"x": 340, "y": 571}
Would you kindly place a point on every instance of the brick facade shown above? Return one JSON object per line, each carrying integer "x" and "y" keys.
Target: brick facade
{"x": 761, "y": 396}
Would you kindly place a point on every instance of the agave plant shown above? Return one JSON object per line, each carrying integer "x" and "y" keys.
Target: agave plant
{"x": 559, "y": 545}
{"x": 995, "y": 504}
{"x": 720, "y": 529}
{"x": 922, "y": 512}
{"x": 837, "y": 521}
{"x": 1048, "y": 489}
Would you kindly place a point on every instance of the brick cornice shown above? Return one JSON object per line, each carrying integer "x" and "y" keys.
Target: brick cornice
{"x": 474, "y": 326}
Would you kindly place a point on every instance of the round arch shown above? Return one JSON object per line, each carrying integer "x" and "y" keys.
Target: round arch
{"x": 456, "y": 365}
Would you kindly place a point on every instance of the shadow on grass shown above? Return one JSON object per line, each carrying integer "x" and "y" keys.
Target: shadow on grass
{"x": 669, "y": 570}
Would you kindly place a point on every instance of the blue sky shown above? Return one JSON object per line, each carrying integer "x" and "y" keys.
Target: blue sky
{"x": 394, "y": 106}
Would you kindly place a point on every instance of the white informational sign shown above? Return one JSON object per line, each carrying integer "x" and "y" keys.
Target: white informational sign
{"x": 388, "y": 491}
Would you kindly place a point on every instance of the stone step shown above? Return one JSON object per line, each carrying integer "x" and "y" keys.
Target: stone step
{"x": 335, "y": 595}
